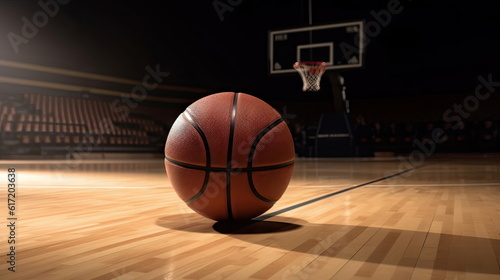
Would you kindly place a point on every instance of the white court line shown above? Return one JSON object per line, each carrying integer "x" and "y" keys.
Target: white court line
{"x": 439, "y": 185}
{"x": 405, "y": 185}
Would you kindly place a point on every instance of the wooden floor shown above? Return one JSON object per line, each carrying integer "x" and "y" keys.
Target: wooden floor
{"x": 122, "y": 220}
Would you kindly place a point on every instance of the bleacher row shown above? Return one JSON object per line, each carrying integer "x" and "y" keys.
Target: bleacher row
{"x": 41, "y": 121}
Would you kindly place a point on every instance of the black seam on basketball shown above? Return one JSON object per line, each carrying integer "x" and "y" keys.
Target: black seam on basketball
{"x": 269, "y": 167}
{"x": 190, "y": 119}
{"x": 230, "y": 157}
{"x": 250, "y": 159}
{"x": 188, "y": 165}
{"x": 232, "y": 170}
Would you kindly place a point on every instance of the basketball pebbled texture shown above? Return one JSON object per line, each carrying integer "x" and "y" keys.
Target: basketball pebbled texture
{"x": 229, "y": 156}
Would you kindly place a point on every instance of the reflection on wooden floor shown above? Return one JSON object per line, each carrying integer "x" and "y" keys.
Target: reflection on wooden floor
{"x": 122, "y": 220}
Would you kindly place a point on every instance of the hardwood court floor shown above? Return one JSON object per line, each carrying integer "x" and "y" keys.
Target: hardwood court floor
{"x": 122, "y": 220}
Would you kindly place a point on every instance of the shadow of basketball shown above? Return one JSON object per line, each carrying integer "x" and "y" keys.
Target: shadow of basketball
{"x": 192, "y": 222}
{"x": 253, "y": 227}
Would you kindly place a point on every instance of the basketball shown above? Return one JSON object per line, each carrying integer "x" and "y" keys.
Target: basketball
{"x": 229, "y": 156}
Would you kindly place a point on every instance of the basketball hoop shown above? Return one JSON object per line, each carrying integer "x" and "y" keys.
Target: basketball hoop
{"x": 311, "y": 72}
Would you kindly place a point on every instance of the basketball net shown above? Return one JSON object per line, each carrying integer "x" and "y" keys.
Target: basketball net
{"x": 311, "y": 72}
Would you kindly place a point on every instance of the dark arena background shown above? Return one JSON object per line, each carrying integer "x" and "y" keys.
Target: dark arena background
{"x": 397, "y": 166}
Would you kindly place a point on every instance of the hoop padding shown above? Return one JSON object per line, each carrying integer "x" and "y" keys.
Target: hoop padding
{"x": 311, "y": 73}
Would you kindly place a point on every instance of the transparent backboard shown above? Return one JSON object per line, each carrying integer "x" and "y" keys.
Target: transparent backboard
{"x": 339, "y": 45}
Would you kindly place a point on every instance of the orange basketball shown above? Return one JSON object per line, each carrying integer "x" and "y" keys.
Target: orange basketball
{"x": 229, "y": 156}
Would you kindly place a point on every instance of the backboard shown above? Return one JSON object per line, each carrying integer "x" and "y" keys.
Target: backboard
{"x": 339, "y": 45}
